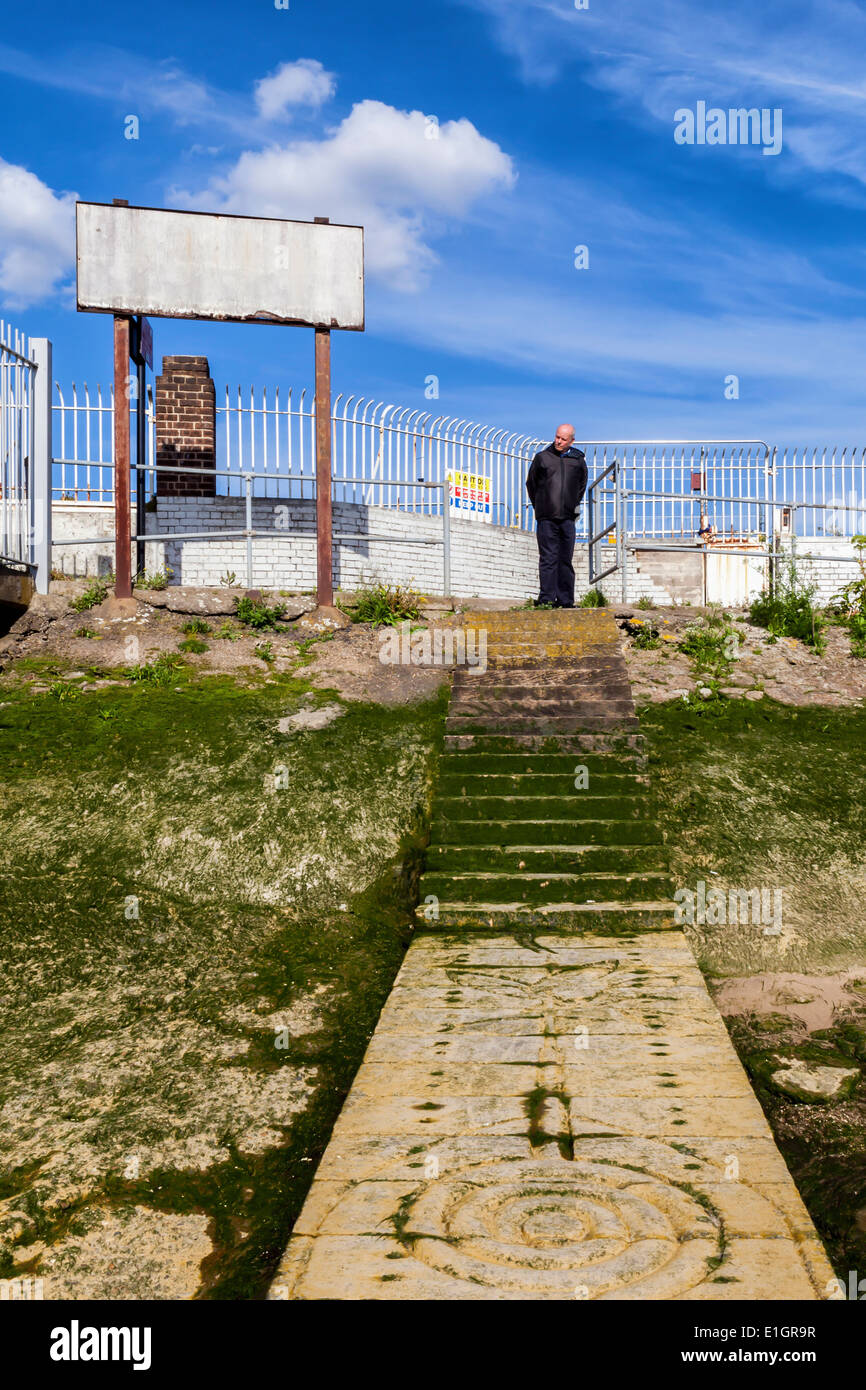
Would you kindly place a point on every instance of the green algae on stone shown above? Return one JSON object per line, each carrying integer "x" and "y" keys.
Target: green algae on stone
{"x": 171, "y": 916}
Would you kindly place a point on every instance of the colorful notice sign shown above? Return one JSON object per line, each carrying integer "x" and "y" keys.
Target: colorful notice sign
{"x": 471, "y": 495}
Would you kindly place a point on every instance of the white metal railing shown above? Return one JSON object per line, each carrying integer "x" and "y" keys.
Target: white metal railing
{"x": 83, "y": 468}
{"x": 670, "y": 487}
{"x": 25, "y": 452}
{"x": 17, "y": 376}
{"x": 378, "y": 449}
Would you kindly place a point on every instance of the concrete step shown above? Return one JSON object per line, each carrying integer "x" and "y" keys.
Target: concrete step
{"x": 572, "y": 704}
{"x": 607, "y": 743}
{"x": 609, "y": 919}
{"x": 580, "y": 721}
{"x": 532, "y": 782}
{"x": 574, "y": 859}
{"x": 547, "y": 889}
{"x": 578, "y": 807}
{"x": 465, "y": 763}
{"x": 531, "y": 677}
{"x": 542, "y": 832}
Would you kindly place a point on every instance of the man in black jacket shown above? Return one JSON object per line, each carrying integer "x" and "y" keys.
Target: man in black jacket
{"x": 556, "y": 482}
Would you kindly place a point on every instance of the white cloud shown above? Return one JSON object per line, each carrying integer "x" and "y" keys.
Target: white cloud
{"x": 398, "y": 173}
{"x": 37, "y": 236}
{"x": 304, "y": 83}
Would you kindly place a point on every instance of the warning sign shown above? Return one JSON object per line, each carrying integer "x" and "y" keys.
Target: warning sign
{"x": 471, "y": 494}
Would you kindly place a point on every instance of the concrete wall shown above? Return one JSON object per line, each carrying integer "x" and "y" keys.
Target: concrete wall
{"x": 487, "y": 561}
{"x": 84, "y": 520}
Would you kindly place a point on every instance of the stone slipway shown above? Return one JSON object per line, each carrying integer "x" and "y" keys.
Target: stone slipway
{"x": 550, "y": 1107}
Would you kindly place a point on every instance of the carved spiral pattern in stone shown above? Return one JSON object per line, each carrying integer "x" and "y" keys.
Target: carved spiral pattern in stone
{"x": 577, "y": 1229}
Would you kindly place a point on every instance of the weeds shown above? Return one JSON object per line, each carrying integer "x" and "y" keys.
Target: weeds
{"x": 196, "y": 627}
{"x": 386, "y": 605}
{"x": 712, "y": 645}
{"x": 63, "y": 690}
{"x": 227, "y": 631}
{"x": 593, "y": 598}
{"x": 255, "y": 613}
{"x": 264, "y": 651}
{"x": 162, "y": 671}
{"x": 194, "y": 645}
{"x": 644, "y": 602}
{"x": 95, "y": 593}
{"x": 850, "y": 603}
{"x": 85, "y": 632}
{"x": 645, "y": 635}
{"x": 159, "y": 579}
{"x": 229, "y": 580}
{"x": 790, "y": 610}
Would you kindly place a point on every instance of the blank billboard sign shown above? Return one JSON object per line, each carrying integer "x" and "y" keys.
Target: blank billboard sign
{"x": 198, "y": 265}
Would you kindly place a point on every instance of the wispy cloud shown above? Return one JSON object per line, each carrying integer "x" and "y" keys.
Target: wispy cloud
{"x": 140, "y": 86}
{"x": 654, "y": 58}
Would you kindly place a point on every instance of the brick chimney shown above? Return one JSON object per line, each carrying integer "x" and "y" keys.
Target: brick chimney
{"x": 185, "y": 426}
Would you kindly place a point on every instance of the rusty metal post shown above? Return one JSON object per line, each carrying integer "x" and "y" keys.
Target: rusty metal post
{"x": 122, "y": 516}
{"x": 324, "y": 580}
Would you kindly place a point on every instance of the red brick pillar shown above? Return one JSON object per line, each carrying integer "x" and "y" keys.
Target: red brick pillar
{"x": 185, "y": 427}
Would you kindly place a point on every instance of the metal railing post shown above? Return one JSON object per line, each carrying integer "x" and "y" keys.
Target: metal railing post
{"x": 590, "y": 530}
{"x": 41, "y": 465}
{"x": 446, "y": 538}
{"x": 248, "y": 484}
{"x": 622, "y": 521}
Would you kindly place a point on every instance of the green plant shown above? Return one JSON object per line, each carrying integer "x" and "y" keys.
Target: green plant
{"x": 196, "y": 627}
{"x": 95, "y": 593}
{"x": 645, "y": 635}
{"x": 386, "y": 605}
{"x": 63, "y": 690}
{"x": 593, "y": 598}
{"x": 193, "y": 644}
{"x": 106, "y": 715}
{"x": 850, "y": 603}
{"x": 227, "y": 631}
{"x": 85, "y": 632}
{"x": 162, "y": 671}
{"x": 789, "y": 611}
{"x": 644, "y": 602}
{"x": 255, "y": 613}
{"x": 229, "y": 579}
{"x": 712, "y": 645}
{"x": 159, "y": 579}
{"x": 857, "y": 628}
{"x": 264, "y": 651}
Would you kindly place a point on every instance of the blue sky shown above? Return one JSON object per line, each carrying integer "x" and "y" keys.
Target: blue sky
{"x": 555, "y": 129}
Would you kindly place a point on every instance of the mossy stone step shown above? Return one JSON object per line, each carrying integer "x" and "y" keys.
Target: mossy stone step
{"x": 573, "y": 704}
{"x": 579, "y": 806}
{"x": 546, "y": 889}
{"x": 609, "y": 919}
{"x": 545, "y": 725}
{"x": 532, "y": 783}
{"x": 466, "y": 762}
{"x": 542, "y": 832}
{"x": 608, "y": 744}
{"x": 552, "y": 678}
{"x": 459, "y": 859}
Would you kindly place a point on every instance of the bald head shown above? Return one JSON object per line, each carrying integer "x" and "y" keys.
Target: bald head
{"x": 564, "y": 437}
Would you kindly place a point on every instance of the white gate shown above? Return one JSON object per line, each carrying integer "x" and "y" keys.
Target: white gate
{"x": 25, "y": 454}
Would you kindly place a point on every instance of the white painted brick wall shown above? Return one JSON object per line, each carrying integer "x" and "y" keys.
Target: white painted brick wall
{"x": 487, "y": 561}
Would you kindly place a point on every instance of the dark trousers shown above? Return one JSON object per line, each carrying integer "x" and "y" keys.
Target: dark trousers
{"x": 555, "y": 567}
